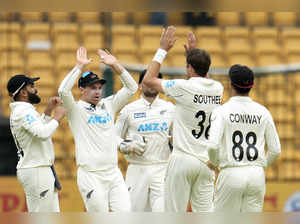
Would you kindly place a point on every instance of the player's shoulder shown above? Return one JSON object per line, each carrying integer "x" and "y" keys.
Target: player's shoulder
{"x": 261, "y": 108}
{"x": 169, "y": 83}
{"x": 133, "y": 106}
{"x": 108, "y": 98}
{"x": 164, "y": 103}
{"x": 216, "y": 86}
{"x": 208, "y": 85}
{"x": 21, "y": 110}
{"x": 220, "y": 109}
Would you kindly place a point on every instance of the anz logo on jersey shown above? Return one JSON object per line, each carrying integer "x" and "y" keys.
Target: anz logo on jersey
{"x": 155, "y": 126}
{"x": 94, "y": 119}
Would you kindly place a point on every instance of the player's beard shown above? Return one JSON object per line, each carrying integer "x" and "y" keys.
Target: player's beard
{"x": 150, "y": 94}
{"x": 33, "y": 98}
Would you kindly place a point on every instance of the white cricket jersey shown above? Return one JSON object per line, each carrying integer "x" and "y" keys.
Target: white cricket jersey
{"x": 238, "y": 134}
{"x": 32, "y": 134}
{"x": 195, "y": 100}
{"x": 153, "y": 122}
{"x": 93, "y": 127}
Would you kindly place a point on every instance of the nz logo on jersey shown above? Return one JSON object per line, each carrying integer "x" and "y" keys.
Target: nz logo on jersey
{"x": 94, "y": 119}
{"x": 30, "y": 119}
{"x": 139, "y": 115}
{"x": 170, "y": 83}
{"x": 155, "y": 126}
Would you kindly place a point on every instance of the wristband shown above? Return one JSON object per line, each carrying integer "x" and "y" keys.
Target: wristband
{"x": 160, "y": 55}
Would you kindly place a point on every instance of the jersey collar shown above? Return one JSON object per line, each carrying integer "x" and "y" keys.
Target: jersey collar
{"x": 241, "y": 98}
{"x": 155, "y": 101}
{"x": 88, "y": 105}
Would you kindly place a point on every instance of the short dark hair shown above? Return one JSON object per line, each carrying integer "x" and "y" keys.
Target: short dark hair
{"x": 142, "y": 75}
{"x": 200, "y": 61}
{"x": 242, "y": 78}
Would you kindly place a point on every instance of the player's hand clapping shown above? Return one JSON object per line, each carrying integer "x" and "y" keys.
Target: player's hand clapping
{"x": 191, "y": 42}
{"x": 168, "y": 39}
{"x": 82, "y": 58}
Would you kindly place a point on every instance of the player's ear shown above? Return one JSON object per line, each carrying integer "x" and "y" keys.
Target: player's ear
{"x": 23, "y": 92}
{"x": 140, "y": 86}
{"x": 81, "y": 90}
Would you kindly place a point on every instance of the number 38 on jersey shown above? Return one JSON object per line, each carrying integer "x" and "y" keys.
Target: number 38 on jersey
{"x": 202, "y": 116}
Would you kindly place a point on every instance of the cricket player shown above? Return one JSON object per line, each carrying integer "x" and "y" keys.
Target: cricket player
{"x": 151, "y": 119}
{"x": 188, "y": 174}
{"x": 239, "y": 130}
{"x": 32, "y": 134}
{"x": 91, "y": 120}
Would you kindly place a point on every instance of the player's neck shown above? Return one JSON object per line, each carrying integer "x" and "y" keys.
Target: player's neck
{"x": 89, "y": 101}
{"x": 193, "y": 75}
{"x": 22, "y": 99}
{"x": 235, "y": 93}
{"x": 149, "y": 99}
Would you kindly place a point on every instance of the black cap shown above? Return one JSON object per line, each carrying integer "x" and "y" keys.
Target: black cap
{"x": 241, "y": 76}
{"x": 18, "y": 82}
{"x": 142, "y": 74}
{"x": 88, "y": 78}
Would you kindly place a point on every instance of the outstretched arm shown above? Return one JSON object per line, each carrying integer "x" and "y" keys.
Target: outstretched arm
{"x": 129, "y": 84}
{"x": 167, "y": 41}
{"x": 191, "y": 42}
{"x": 67, "y": 84}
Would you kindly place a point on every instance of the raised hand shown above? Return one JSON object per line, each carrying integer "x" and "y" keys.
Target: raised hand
{"x": 82, "y": 56}
{"x": 191, "y": 42}
{"x": 106, "y": 57}
{"x": 168, "y": 39}
{"x": 52, "y": 104}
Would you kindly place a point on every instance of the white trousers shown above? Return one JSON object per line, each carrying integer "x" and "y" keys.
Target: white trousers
{"x": 38, "y": 185}
{"x": 240, "y": 189}
{"x": 146, "y": 187}
{"x": 188, "y": 178}
{"x": 103, "y": 191}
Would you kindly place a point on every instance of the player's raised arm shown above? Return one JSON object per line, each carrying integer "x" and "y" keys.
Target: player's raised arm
{"x": 129, "y": 85}
{"x": 191, "y": 42}
{"x": 167, "y": 41}
{"x": 67, "y": 84}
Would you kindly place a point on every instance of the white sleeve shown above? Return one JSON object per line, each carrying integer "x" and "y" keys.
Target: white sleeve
{"x": 272, "y": 141}
{"x": 122, "y": 123}
{"x": 65, "y": 88}
{"x": 125, "y": 93}
{"x": 46, "y": 118}
{"x": 173, "y": 88}
{"x": 34, "y": 125}
{"x": 215, "y": 136}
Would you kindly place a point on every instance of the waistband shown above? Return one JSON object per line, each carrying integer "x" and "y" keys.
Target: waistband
{"x": 177, "y": 151}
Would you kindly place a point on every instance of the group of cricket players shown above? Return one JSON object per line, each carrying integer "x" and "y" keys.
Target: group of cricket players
{"x": 174, "y": 151}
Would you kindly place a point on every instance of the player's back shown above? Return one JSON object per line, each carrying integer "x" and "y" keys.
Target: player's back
{"x": 246, "y": 124}
{"x": 195, "y": 100}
